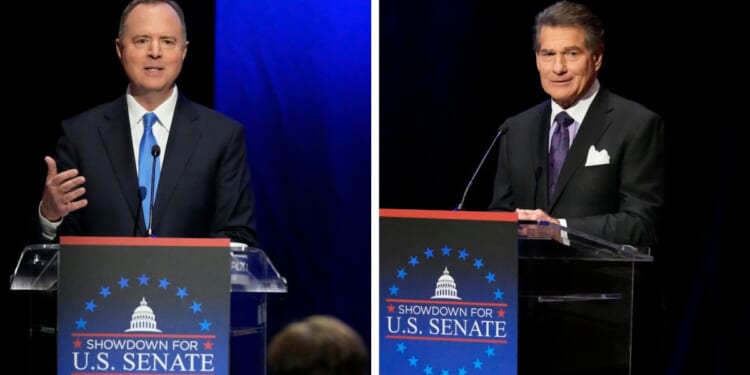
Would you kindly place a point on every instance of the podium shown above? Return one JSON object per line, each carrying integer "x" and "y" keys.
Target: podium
{"x": 575, "y": 303}
{"x": 251, "y": 277}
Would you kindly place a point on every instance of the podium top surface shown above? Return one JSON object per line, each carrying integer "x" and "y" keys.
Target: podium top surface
{"x": 450, "y": 215}
{"x": 251, "y": 269}
{"x": 582, "y": 246}
{"x": 148, "y": 241}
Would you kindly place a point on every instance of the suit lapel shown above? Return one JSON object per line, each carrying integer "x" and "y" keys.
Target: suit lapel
{"x": 114, "y": 133}
{"x": 539, "y": 142}
{"x": 597, "y": 120}
{"x": 181, "y": 145}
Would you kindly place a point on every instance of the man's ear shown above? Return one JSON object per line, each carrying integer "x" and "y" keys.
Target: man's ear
{"x": 597, "y": 57}
{"x": 118, "y": 47}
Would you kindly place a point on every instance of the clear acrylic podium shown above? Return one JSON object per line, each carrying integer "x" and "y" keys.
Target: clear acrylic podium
{"x": 576, "y": 305}
{"x": 253, "y": 276}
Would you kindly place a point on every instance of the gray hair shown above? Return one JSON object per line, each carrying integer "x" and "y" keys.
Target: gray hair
{"x": 570, "y": 14}
{"x": 129, "y": 8}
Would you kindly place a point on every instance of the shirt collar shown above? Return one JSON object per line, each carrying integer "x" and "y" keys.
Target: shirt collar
{"x": 578, "y": 111}
{"x": 165, "y": 111}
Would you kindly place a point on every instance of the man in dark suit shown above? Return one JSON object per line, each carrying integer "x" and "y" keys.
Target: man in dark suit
{"x": 591, "y": 161}
{"x": 202, "y": 180}
{"x": 610, "y": 182}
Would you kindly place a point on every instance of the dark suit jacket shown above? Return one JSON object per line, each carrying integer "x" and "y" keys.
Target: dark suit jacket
{"x": 620, "y": 201}
{"x": 204, "y": 187}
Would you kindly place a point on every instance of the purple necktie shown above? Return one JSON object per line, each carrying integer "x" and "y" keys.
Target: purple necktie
{"x": 558, "y": 149}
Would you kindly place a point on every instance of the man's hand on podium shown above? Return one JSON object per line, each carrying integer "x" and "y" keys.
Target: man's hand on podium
{"x": 538, "y": 224}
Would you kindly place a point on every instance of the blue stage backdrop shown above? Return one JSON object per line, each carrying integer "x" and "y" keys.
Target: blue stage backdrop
{"x": 297, "y": 75}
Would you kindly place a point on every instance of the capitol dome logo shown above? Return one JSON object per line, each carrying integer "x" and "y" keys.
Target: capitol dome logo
{"x": 446, "y": 287}
{"x": 143, "y": 319}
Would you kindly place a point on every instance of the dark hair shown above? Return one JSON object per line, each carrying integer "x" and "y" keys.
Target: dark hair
{"x": 566, "y": 13}
{"x": 129, "y": 8}
{"x": 318, "y": 345}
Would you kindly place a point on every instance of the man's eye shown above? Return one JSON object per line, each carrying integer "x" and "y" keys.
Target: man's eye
{"x": 169, "y": 43}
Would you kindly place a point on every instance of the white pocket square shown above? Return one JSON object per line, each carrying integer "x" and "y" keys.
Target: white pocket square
{"x": 597, "y": 157}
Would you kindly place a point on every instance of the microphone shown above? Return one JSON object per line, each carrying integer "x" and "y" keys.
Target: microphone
{"x": 500, "y": 131}
{"x": 155, "y": 151}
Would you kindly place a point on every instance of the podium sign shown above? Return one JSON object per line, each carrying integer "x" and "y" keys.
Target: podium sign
{"x": 143, "y": 306}
{"x": 448, "y": 292}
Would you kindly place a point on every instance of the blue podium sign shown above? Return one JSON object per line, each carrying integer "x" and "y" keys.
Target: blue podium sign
{"x": 143, "y": 306}
{"x": 448, "y": 292}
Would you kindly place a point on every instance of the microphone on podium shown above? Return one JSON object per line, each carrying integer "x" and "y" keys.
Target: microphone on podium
{"x": 155, "y": 152}
{"x": 500, "y": 131}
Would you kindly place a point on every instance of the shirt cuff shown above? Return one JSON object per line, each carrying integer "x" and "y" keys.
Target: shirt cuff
{"x": 564, "y": 233}
{"x": 49, "y": 228}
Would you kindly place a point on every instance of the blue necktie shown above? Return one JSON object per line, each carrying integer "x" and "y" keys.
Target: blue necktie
{"x": 146, "y": 163}
{"x": 558, "y": 149}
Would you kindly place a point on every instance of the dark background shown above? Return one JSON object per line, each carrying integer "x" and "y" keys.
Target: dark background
{"x": 451, "y": 72}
